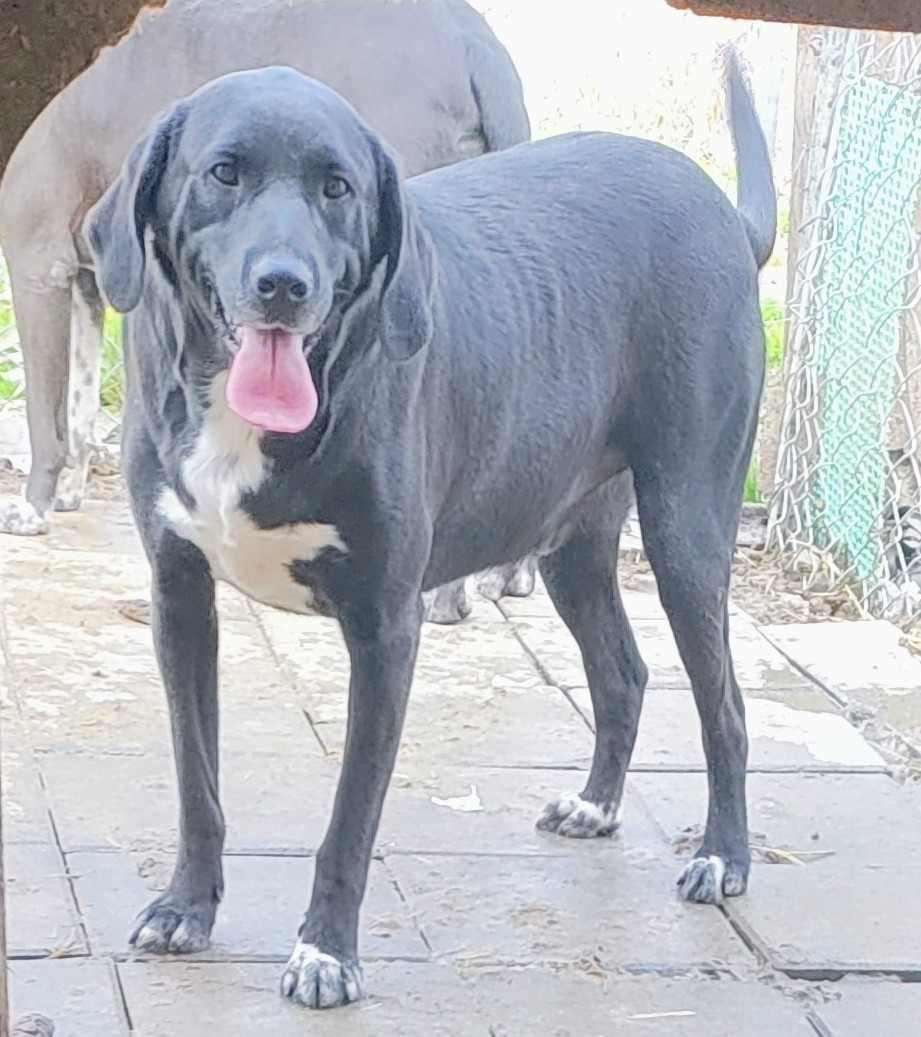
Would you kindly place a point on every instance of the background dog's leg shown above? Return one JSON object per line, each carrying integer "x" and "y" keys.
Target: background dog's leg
{"x": 185, "y": 637}
{"x": 581, "y": 579}
{"x": 689, "y": 534}
{"x": 324, "y": 970}
{"x": 43, "y": 322}
{"x": 87, "y": 317}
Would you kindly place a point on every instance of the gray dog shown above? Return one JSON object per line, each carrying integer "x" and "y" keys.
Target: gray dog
{"x": 346, "y": 389}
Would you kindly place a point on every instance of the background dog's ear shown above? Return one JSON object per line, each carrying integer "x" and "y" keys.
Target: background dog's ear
{"x": 406, "y": 296}
{"x": 114, "y": 227}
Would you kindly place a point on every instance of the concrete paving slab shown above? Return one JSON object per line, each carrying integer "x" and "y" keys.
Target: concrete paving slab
{"x": 41, "y": 919}
{"x": 263, "y": 906}
{"x": 25, "y": 809}
{"x": 274, "y": 802}
{"x": 816, "y": 813}
{"x": 109, "y": 698}
{"x": 476, "y": 697}
{"x": 239, "y": 1000}
{"x": 108, "y": 801}
{"x": 100, "y": 526}
{"x": 511, "y": 722}
{"x": 80, "y": 997}
{"x": 861, "y": 1008}
{"x": 796, "y": 727}
{"x": 820, "y": 922}
{"x": 509, "y": 800}
{"x": 277, "y": 805}
{"x": 758, "y": 664}
{"x": 620, "y": 908}
{"x": 486, "y": 886}
{"x": 864, "y": 664}
{"x": 849, "y": 897}
{"x": 83, "y": 574}
{"x": 568, "y": 1003}
{"x": 857, "y": 654}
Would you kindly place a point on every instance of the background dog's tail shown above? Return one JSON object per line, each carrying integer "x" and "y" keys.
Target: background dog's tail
{"x": 756, "y": 195}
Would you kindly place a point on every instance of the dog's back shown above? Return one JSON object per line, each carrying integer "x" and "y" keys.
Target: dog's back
{"x": 630, "y": 281}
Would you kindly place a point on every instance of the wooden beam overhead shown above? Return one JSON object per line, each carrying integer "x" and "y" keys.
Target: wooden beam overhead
{"x": 891, "y": 15}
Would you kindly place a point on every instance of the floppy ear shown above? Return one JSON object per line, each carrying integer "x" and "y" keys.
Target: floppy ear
{"x": 114, "y": 227}
{"x": 405, "y": 306}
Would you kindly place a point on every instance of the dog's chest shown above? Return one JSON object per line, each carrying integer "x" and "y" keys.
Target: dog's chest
{"x": 225, "y": 465}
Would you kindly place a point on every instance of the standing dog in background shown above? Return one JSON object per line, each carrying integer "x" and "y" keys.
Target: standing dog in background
{"x": 430, "y": 76}
{"x": 345, "y": 389}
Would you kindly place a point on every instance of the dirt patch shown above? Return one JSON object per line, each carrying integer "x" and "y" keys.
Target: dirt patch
{"x": 761, "y": 587}
{"x": 105, "y": 482}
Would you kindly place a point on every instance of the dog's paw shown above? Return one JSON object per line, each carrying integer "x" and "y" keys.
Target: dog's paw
{"x": 19, "y": 518}
{"x": 317, "y": 980}
{"x": 709, "y": 878}
{"x": 71, "y": 487}
{"x": 577, "y": 818}
{"x": 491, "y": 584}
{"x": 515, "y": 580}
{"x": 521, "y": 580}
{"x": 173, "y": 925}
{"x": 447, "y": 605}
{"x": 68, "y": 501}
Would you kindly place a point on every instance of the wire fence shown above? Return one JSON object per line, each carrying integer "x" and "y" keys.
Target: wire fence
{"x": 846, "y": 506}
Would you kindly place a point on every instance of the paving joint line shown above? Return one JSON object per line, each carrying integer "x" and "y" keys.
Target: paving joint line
{"x": 283, "y": 668}
{"x": 423, "y": 936}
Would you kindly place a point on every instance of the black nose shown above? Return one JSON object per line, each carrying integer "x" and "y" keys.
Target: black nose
{"x": 281, "y": 281}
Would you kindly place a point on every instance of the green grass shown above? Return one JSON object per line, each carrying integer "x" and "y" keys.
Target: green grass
{"x": 10, "y": 363}
{"x": 112, "y": 387}
{"x": 752, "y": 484}
{"x": 774, "y": 319}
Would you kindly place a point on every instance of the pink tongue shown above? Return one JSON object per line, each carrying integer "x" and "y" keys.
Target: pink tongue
{"x": 270, "y": 383}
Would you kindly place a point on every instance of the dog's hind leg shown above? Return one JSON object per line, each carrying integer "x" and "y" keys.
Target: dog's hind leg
{"x": 689, "y": 534}
{"x": 43, "y": 323}
{"x": 87, "y": 316}
{"x": 581, "y": 579}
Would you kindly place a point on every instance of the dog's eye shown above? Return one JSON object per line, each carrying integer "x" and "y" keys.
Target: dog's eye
{"x": 226, "y": 173}
{"x": 335, "y": 187}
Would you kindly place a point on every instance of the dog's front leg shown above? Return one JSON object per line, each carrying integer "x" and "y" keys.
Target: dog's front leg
{"x": 324, "y": 970}
{"x": 185, "y": 636}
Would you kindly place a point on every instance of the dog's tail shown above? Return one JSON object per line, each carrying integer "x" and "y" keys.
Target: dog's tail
{"x": 756, "y": 195}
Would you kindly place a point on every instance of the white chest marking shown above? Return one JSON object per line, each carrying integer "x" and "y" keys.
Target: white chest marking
{"x": 226, "y": 464}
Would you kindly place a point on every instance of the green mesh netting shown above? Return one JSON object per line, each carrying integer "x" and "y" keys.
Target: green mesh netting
{"x": 857, "y": 311}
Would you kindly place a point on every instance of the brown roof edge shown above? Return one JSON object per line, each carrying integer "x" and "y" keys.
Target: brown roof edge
{"x": 891, "y": 15}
